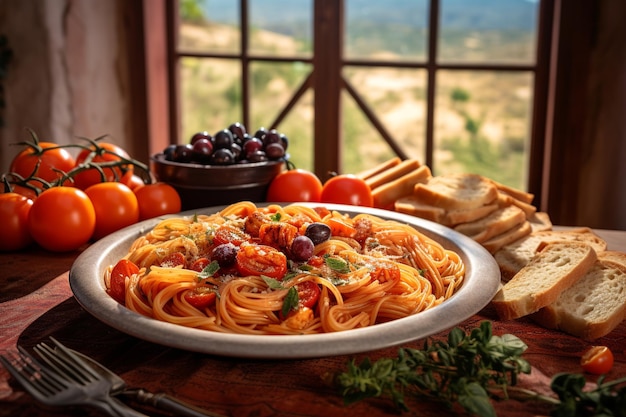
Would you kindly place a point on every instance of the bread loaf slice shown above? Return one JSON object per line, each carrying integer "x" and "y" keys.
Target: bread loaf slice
{"x": 517, "y": 194}
{"x": 495, "y": 223}
{"x": 515, "y": 255}
{"x": 412, "y": 205}
{"x": 511, "y": 235}
{"x": 540, "y": 221}
{"x": 457, "y": 191}
{"x": 386, "y": 194}
{"x": 592, "y": 307}
{"x": 557, "y": 267}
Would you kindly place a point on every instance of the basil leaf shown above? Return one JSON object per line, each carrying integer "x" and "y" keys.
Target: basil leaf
{"x": 338, "y": 265}
{"x": 209, "y": 270}
{"x": 272, "y": 283}
{"x": 290, "y": 302}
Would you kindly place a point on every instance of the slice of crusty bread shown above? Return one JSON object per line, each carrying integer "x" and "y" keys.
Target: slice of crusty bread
{"x": 410, "y": 204}
{"x": 514, "y": 256}
{"x": 613, "y": 256}
{"x": 517, "y": 194}
{"x": 511, "y": 235}
{"x": 457, "y": 191}
{"x": 540, "y": 221}
{"x": 387, "y": 194}
{"x": 505, "y": 200}
{"x": 557, "y": 267}
{"x": 592, "y": 307}
{"x": 493, "y": 224}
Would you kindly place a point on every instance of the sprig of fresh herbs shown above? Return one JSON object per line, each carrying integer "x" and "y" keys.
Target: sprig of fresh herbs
{"x": 471, "y": 370}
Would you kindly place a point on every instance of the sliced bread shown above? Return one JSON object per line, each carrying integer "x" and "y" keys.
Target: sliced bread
{"x": 517, "y": 194}
{"x": 511, "y": 235}
{"x": 555, "y": 268}
{"x": 515, "y": 255}
{"x": 457, "y": 191}
{"x": 493, "y": 224}
{"x": 386, "y": 194}
{"x": 540, "y": 221}
{"x": 592, "y": 307}
{"x": 412, "y": 205}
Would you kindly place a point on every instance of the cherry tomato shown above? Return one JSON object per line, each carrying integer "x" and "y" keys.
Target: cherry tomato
{"x": 109, "y": 153}
{"x": 25, "y": 162}
{"x": 230, "y": 234}
{"x": 173, "y": 260}
{"x": 132, "y": 180}
{"x": 156, "y": 200}
{"x": 25, "y": 191}
{"x": 597, "y": 360}
{"x": 308, "y": 293}
{"x": 295, "y": 185}
{"x": 201, "y": 297}
{"x": 117, "y": 286}
{"x": 62, "y": 219}
{"x": 261, "y": 260}
{"x": 199, "y": 264}
{"x": 116, "y": 207}
{"x": 14, "y": 210}
{"x": 347, "y": 189}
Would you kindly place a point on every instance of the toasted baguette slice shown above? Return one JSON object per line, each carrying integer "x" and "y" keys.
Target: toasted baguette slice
{"x": 517, "y": 194}
{"x": 511, "y": 235}
{"x": 514, "y": 256}
{"x": 592, "y": 307}
{"x": 384, "y": 166}
{"x": 557, "y": 267}
{"x": 412, "y": 205}
{"x": 505, "y": 200}
{"x": 392, "y": 173}
{"x": 457, "y": 191}
{"x": 386, "y": 194}
{"x": 540, "y": 221}
{"x": 613, "y": 256}
{"x": 496, "y": 223}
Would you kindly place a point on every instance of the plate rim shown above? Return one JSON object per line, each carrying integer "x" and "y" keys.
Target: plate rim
{"x": 87, "y": 285}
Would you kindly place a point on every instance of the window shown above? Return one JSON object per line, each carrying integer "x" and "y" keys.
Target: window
{"x": 459, "y": 85}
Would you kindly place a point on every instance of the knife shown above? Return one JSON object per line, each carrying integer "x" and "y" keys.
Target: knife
{"x": 160, "y": 401}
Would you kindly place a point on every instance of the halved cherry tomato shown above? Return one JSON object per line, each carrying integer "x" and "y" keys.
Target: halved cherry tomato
{"x": 597, "y": 360}
{"x": 308, "y": 293}
{"x": 117, "y": 288}
{"x": 107, "y": 152}
{"x": 14, "y": 210}
{"x": 201, "y": 297}
{"x": 261, "y": 260}
{"x": 62, "y": 219}
{"x": 173, "y": 260}
{"x": 156, "y": 200}
{"x": 199, "y": 264}
{"x": 50, "y": 160}
{"x": 230, "y": 234}
{"x": 347, "y": 189}
{"x": 295, "y": 185}
{"x": 116, "y": 207}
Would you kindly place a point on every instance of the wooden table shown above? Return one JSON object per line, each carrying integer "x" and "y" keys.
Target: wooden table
{"x": 36, "y": 302}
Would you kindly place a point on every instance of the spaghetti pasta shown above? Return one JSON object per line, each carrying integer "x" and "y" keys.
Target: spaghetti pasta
{"x": 239, "y": 271}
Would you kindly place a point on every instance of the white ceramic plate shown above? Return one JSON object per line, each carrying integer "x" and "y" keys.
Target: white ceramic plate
{"x": 480, "y": 285}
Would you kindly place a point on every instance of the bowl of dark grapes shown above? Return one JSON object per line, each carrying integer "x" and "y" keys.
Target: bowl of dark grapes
{"x": 224, "y": 167}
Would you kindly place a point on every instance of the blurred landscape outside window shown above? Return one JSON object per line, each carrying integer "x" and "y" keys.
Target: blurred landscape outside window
{"x": 479, "y": 59}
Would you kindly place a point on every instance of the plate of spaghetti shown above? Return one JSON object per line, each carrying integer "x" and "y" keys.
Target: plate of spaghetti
{"x": 276, "y": 281}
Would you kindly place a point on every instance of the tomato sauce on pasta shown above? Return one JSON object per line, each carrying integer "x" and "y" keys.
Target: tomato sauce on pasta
{"x": 260, "y": 270}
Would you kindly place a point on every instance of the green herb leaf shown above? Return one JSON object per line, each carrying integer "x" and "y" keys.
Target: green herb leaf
{"x": 337, "y": 265}
{"x": 290, "y": 302}
{"x": 275, "y": 217}
{"x": 272, "y": 283}
{"x": 209, "y": 270}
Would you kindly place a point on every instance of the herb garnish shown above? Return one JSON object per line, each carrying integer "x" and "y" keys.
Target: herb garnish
{"x": 290, "y": 302}
{"x": 472, "y": 369}
{"x": 337, "y": 264}
{"x": 209, "y": 270}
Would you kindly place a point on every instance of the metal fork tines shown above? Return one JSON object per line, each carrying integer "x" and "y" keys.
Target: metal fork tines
{"x": 53, "y": 381}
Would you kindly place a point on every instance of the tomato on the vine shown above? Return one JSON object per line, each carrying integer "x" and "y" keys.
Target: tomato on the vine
{"x": 261, "y": 260}
{"x": 14, "y": 210}
{"x": 51, "y": 160}
{"x": 294, "y": 185}
{"x": 347, "y": 189}
{"x": 62, "y": 219}
{"x": 132, "y": 180}
{"x": 156, "y": 200}
{"x": 597, "y": 360}
{"x": 106, "y": 152}
{"x": 116, "y": 207}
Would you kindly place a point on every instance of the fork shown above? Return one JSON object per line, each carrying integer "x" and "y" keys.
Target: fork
{"x": 51, "y": 385}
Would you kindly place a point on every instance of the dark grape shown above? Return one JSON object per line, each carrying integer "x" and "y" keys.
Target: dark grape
{"x": 256, "y": 156}
{"x": 183, "y": 153}
{"x": 238, "y": 130}
{"x": 302, "y": 248}
{"x": 223, "y": 139}
{"x": 260, "y": 134}
{"x": 284, "y": 140}
{"x": 202, "y": 151}
{"x": 200, "y": 135}
{"x": 169, "y": 152}
{"x": 222, "y": 157}
{"x": 252, "y": 145}
{"x": 271, "y": 137}
{"x": 225, "y": 254}
{"x": 274, "y": 151}
{"x": 236, "y": 150}
{"x": 317, "y": 232}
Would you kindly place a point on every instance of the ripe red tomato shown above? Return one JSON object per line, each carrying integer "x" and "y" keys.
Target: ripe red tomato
{"x": 25, "y": 162}
{"x": 62, "y": 219}
{"x": 261, "y": 260}
{"x": 201, "y": 297}
{"x": 131, "y": 180}
{"x": 116, "y": 207}
{"x": 230, "y": 234}
{"x": 597, "y": 360}
{"x": 347, "y": 189}
{"x": 294, "y": 185}
{"x": 308, "y": 293}
{"x": 117, "y": 286}
{"x": 156, "y": 200}
{"x": 107, "y": 153}
{"x": 14, "y": 210}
